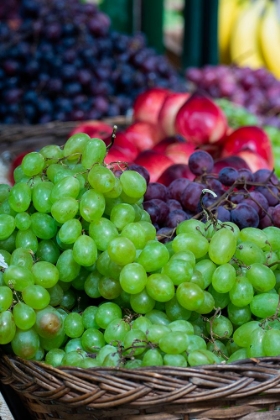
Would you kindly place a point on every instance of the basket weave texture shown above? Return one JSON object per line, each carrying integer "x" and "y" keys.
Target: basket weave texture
{"x": 247, "y": 390}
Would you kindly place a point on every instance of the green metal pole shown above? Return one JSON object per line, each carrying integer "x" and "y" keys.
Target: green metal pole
{"x": 120, "y": 13}
{"x": 210, "y": 52}
{"x": 192, "y": 36}
{"x": 152, "y": 23}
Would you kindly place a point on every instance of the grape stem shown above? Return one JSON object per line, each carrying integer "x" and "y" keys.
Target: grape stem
{"x": 113, "y": 136}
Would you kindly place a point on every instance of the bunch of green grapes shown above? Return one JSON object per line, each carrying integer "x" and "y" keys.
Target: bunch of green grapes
{"x": 85, "y": 281}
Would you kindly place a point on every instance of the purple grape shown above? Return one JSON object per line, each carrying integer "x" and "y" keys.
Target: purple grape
{"x": 153, "y": 210}
{"x": 270, "y": 193}
{"x": 156, "y": 190}
{"x": 141, "y": 170}
{"x": 200, "y": 162}
{"x": 244, "y": 216}
{"x": 244, "y": 176}
{"x": 163, "y": 209}
{"x": 175, "y": 217}
{"x": 265, "y": 176}
{"x": 276, "y": 216}
{"x": 223, "y": 214}
{"x": 190, "y": 198}
{"x": 260, "y": 200}
{"x": 165, "y": 234}
{"x": 215, "y": 185}
{"x": 176, "y": 187}
{"x": 227, "y": 176}
{"x": 174, "y": 204}
{"x": 267, "y": 220}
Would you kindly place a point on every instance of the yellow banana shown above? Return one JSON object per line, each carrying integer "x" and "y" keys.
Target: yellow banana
{"x": 269, "y": 35}
{"x": 227, "y": 15}
{"x": 244, "y": 43}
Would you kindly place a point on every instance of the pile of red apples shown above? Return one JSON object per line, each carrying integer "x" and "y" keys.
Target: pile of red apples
{"x": 168, "y": 127}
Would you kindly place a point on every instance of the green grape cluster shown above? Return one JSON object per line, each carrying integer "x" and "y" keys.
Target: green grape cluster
{"x": 85, "y": 282}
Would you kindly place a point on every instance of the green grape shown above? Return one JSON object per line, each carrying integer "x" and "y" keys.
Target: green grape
{"x": 187, "y": 256}
{"x": 5, "y": 208}
{"x": 264, "y": 305}
{"x": 121, "y": 251}
{"x": 261, "y": 277}
{"x": 36, "y": 296}
{"x": 202, "y": 357}
{"x": 101, "y": 179}
{"x": 67, "y": 266}
{"x": 102, "y": 231}
{"x": 7, "y": 327}
{"x": 207, "y": 305}
{"x": 174, "y": 342}
{"x": 104, "y": 351}
{"x": 142, "y": 302}
{"x": 6, "y": 298}
{"x": 175, "y": 311}
{"x": 242, "y": 334}
{"x": 6, "y": 257}
{"x": 75, "y": 146}
{"x": 220, "y": 327}
{"x": 152, "y": 357}
{"x": 68, "y": 186}
{"x": 273, "y": 238}
{"x": 7, "y": 226}
{"x": 85, "y": 251}
{"x": 249, "y": 253}
{"x": 68, "y": 300}
{"x": 217, "y": 347}
{"x": 72, "y": 358}
{"x": 74, "y": 344}
{"x": 18, "y": 277}
{"x": 239, "y": 354}
{"x": 39, "y": 355}
{"x": 45, "y": 273}
{"x": 94, "y": 151}
{"x": 153, "y": 256}
{"x": 79, "y": 282}
{"x": 149, "y": 229}
{"x": 195, "y": 343}
{"x": 106, "y": 313}
{"x": 41, "y": 196}
{"x": 133, "y": 364}
{"x": 109, "y": 288}
{"x": 160, "y": 287}
{"x": 22, "y": 221}
{"x": 20, "y": 197}
{"x": 9, "y": 244}
{"x": 271, "y": 342}
{"x": 231, "y": 346}
{"x": 26, "y": 239}
{"x": 43, "y": 225}
{"x": 93, "y": 340}
{"x": 64, "y": 209}
{"x": 177, "y": 360}
{"x": 18, "y": 174}
{"x": 136, "y": 233}
{"x": 25, "y": 344}
{"x": 255, "y": 346}
{"x": 4, "y": 192}
{"x": 52, "y": 153}
{"x": 48, "y": 251}
{"x": 222, "y": 246}
{"x": 22, "y": 257}
{"x": 255, "y": 235}
{"x": 24, "y": 316}
{"x": 116, "y": 191}
{"x": 54, "y": 357}
{"x": 56, "y": 295}
{"x": 181, "y": 325}
{"x": 89, "y": 362}
{"x": 116, "y": 331}
{"x": 133, "y": 278}
{"x": 133, "y": 184}
{"x": 155, "y": 331}
{"x": 88, "y": 317}
{"x": 191, "y": 226}
{"x": 190, "y": 296}
{"x": 271, "y": 259}
{"x": 221, "y": 299}
{"x": 122, "y": 214}
{"x": 178, "y": 270}
{"x": 32, "y": 164}
{"x": 237, "y": 315}
{"x": 110, "y": 203}
{"x": 206, "y": 268}
{"x": 91, "y": 284}
{"x": 92, "y": 206}
{"x": 70, "y": 231}
{"x": 141, "y": 323}
{"x": 242, "y": 292}
{"x": 197, "y": 278}
{"x": 135, "y": 343}
{"x": 194, "y": 242}
{"x": 73, "y": 325}
{"x": 158, "y": 317}
{"x": 54, "y": 343}
{"x": 113, "y": 360}
{"x": 223, "y": 278}
{"x": 49, "y": 322}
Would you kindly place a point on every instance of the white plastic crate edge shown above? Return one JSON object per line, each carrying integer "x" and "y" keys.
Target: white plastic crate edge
{"x": 5, "y": 413}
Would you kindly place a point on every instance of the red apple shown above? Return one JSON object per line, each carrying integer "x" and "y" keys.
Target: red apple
{"x": 253, "y": 160}
{"x": 180, "y": 152}
{"x": 200, "y": 120}
{"x": 154, "y": 162}
{"x": 127, "y": 147}
{"x": 148, "y": 104}
{"x": 163, "y": 144}
{"x": 142, "y": 134}
{"x": 116, "y": 158}
{"x": 249, "y": 138}
{"x": 175, "y": 171}
{"x": 236, "y": 162}
{"x": 171, "y": 105}
{"x": 97, "y": 129}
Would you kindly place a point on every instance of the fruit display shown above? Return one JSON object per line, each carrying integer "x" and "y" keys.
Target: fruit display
{"x": 86, "y": 282}
{"x": 61, "y": 61}
{"x": 249, "y": 34}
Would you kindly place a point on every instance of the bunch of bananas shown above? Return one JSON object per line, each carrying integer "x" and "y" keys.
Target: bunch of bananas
{"x": 249, "y": 33}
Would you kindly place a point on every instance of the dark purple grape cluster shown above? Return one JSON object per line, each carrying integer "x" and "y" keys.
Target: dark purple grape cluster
{"x": 257, "y": 90}
{"x": 63, "y": 62}
{"x": 231, "y": 195}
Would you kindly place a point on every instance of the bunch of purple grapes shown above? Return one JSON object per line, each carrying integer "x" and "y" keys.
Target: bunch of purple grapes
{"x": 230, "y": 195}
{"x": 63, "y": 62}
{"x": 255, "y": 89}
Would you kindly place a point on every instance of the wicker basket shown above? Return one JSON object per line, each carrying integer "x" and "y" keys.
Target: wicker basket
{"x": 247, "y": 390}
